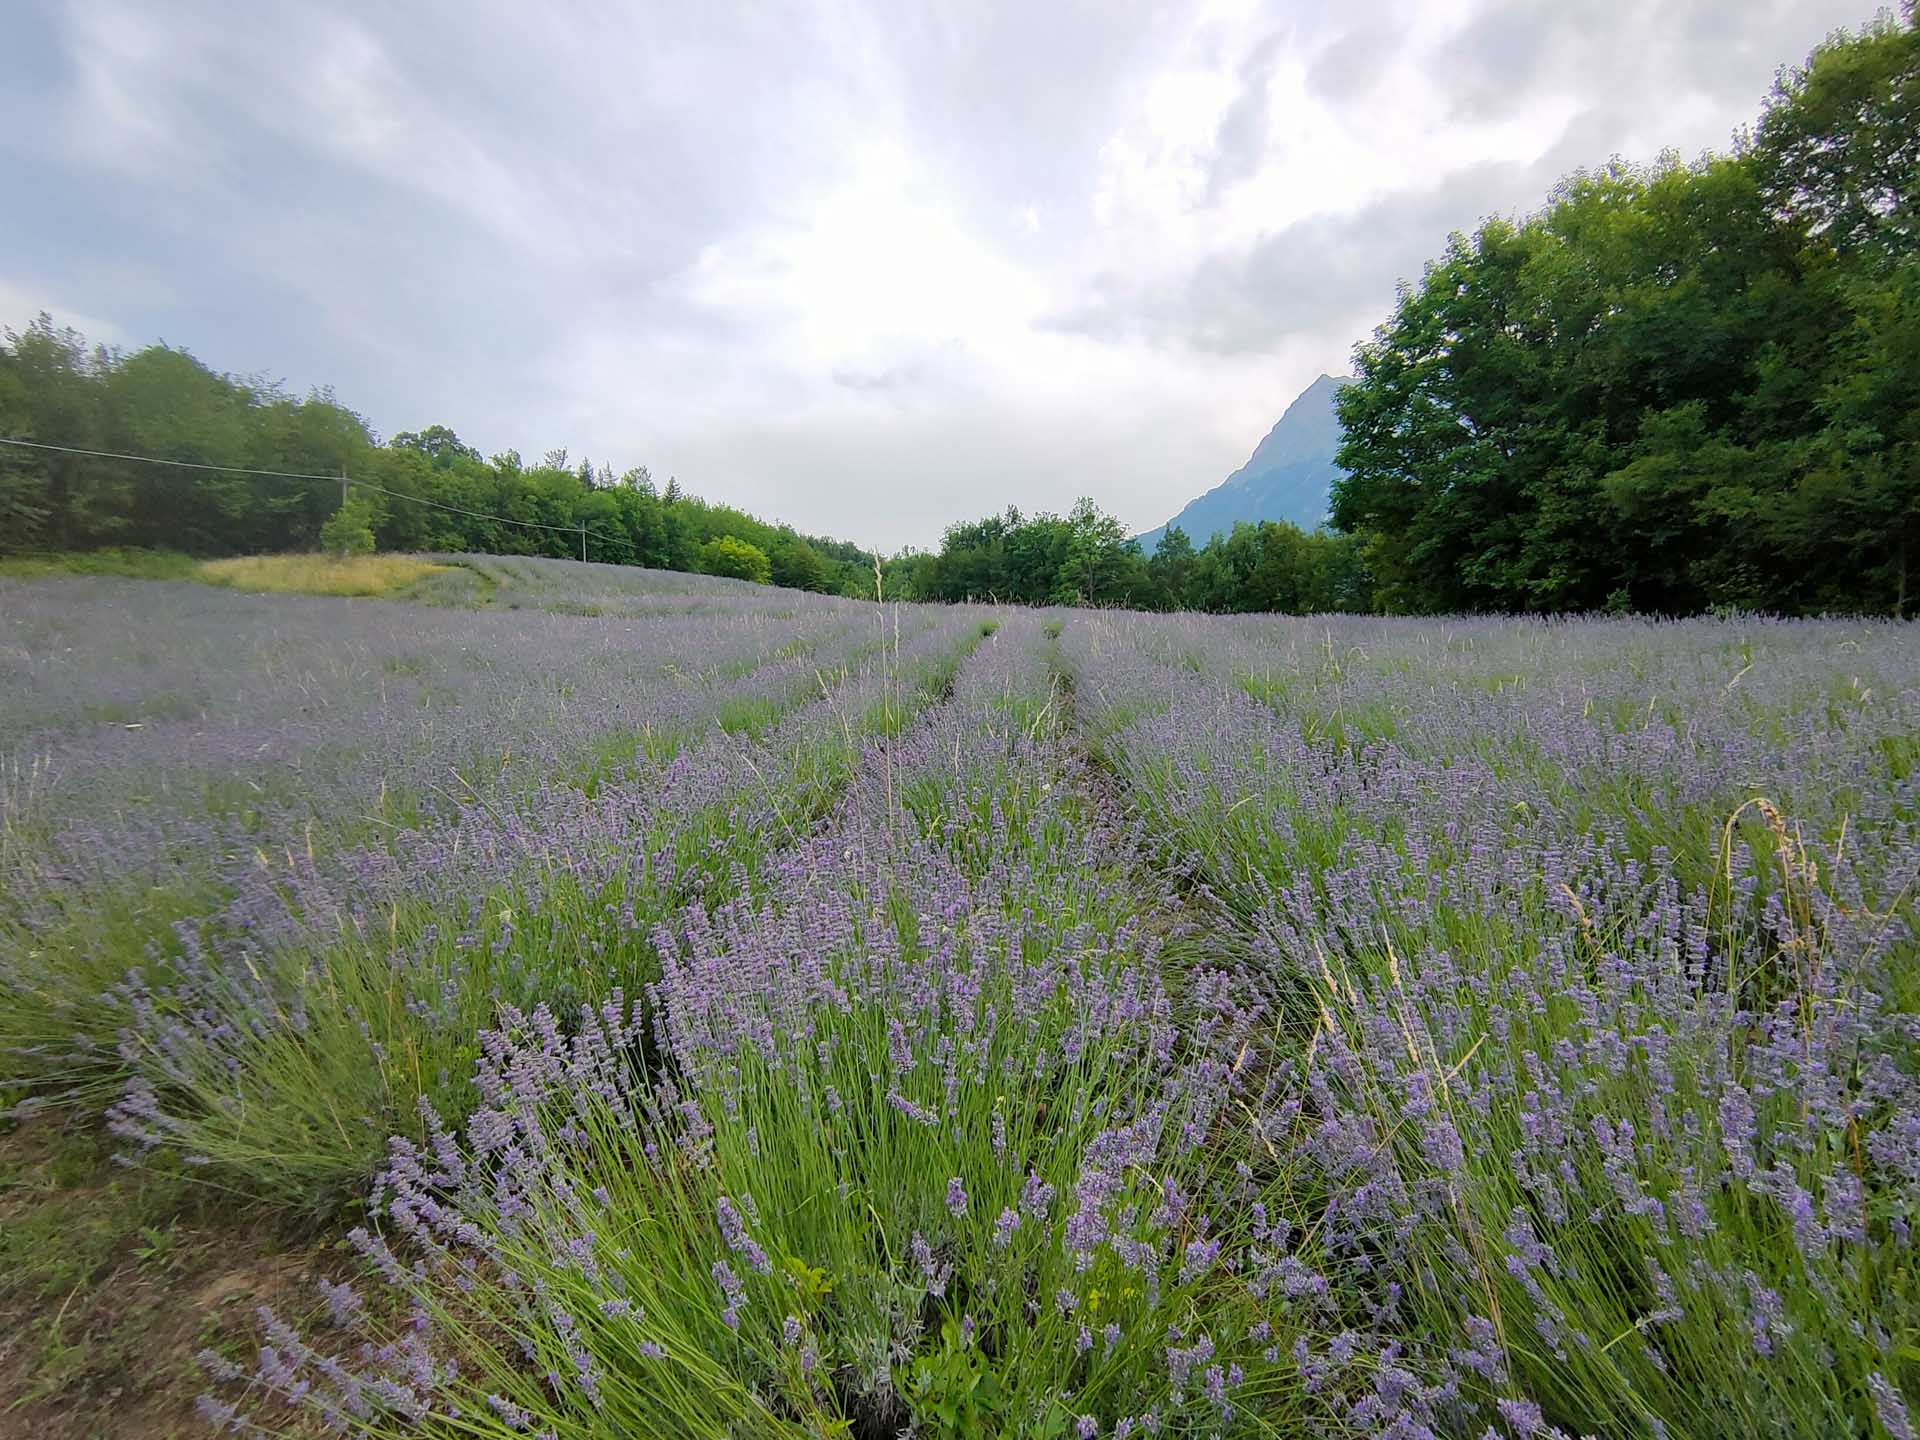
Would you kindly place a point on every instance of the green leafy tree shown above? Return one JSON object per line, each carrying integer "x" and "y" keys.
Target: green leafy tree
{"x": 1675, "y": 387}
{"x": 22, "y": 511}
{"x": 798, "y": 565}
{"x": 1082, "y": 558}
{"x": 1838, "y": 146}
{"x": 1095, "y": 567}
{"x": 350, "y": 531}
{"x": 54, "y": 381}
{"x": 438, "y": 491}
{"x": 440, "y": 445}
{"x": 1171, "y": 569}
{"x": 726, "y": 555}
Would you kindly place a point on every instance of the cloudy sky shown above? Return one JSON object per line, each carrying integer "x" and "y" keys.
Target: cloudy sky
{"x": 864, "y": 267}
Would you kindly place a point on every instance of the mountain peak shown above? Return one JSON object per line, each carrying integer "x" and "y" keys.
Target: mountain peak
{"x": 1288, "y": 477}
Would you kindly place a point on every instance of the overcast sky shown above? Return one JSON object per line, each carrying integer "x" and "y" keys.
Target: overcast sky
{"x": 865, "y": 268}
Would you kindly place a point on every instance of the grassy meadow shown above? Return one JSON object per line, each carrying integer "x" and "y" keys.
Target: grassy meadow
{"x": 587, "y": 1001}
{"x": 301, "y": 573}
{"x": 319, "y": 574}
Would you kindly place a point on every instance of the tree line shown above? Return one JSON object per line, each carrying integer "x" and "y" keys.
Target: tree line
{"x": 1676, "y": 387}
{"x": 1086, "y": 558}
{"x": 439, "y": 492}
{"x": 162, "y": 402}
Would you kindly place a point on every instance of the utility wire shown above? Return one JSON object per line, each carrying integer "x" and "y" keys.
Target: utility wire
{"x": 157, "y": 460}
{"x": 302, "y": 475}
{"x": 477, "y": 514}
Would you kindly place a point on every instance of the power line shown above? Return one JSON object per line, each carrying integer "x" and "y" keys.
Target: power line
{"x": 158, "y": 460}
{"x": 301, "y": 475}
{"x": 477, "y": 514}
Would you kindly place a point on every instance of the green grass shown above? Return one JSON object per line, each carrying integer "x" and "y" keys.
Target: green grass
{"x": 112, "y": 1279}
{"x": 59, "y": 1022}
{"x": 138, "y": 564}
{"x": 360, "y": 575}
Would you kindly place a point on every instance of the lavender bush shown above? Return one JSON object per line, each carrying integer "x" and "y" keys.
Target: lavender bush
{"x": 742, "y": 1014}
{"x": 921, "y": 1139}
{"x": 1605, "y": 983}
{"x": 309, "y": 1018}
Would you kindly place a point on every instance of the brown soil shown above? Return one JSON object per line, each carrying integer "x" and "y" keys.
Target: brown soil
{"x": 113, "y": 1279}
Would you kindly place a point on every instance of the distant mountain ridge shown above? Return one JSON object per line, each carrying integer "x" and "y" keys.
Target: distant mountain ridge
{"x": 1289, "y": 476}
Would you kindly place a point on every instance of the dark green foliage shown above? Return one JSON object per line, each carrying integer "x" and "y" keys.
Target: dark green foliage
{"x": 1081, "y": 558}
{"x": 110, "y": 560}
{"x": 1839, "y": 143}
{"x": 953, "y": 1391}
{"x": 797, "y": 565}
{"x": 1674, "y": 388}
{"x": 1274, "y": 567}
{"x": 163, "y": 402}
{"x": 350, "y": 531}
{"x": 1086, "y": 559}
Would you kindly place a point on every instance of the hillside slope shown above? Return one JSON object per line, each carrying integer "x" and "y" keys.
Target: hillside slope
{"x": 1288, "y": 477}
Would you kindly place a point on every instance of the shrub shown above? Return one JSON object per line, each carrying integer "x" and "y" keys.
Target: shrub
{"x": 725, "y": 555}
{"x": 350, "y": 531}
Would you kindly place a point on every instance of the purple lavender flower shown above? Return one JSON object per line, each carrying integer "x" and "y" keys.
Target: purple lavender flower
{"x": 218, "y": 1413}
{"x": 1036, "y": 1197}
{"x": 1181, "y": 1361}
{"x": 1198, "y": 1259}
{"x": 730, "y": 1287}
{"x": 514, "y": 1417}
{"x": 933, "y": 1274}
{"x": 1890, "y": 1407}
{"x": 1766, "y": 1317}
{"x": 733, "y": 1229}
{"x": 1524, "y": 1417}
{"x": 343, "y": 1305}
{"x": 1005, "y": 1226}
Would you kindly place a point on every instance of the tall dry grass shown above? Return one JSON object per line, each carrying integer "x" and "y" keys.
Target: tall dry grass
{"x": 320, "y": 574}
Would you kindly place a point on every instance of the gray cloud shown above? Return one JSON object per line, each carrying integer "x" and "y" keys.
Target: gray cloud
{"x": 1516, "y": 51}
{"x": 1494, "y": 64}
{"x": 1327, "y": 271}
{"x": 895, "y": 377}
{"x": 1348, "y": 67}
{"x": 862, "y": 266}
{"x": 1240, "y": 142}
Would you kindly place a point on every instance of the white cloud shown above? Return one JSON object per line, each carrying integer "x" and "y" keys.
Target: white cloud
{"x": 860, "y": 268}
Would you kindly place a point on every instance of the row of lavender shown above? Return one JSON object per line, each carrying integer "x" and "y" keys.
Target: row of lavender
{"x": 1603, "y": 989}
{"x": 1145, "y": 1025}
{"x": 937, "y": 1129}
{"x": 142, "y": 724}
{"x": 273, "y": 991}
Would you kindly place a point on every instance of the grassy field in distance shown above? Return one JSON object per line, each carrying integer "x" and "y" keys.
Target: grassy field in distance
{"x": 319, "y": 574}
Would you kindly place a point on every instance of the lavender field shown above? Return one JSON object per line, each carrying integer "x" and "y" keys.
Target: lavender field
{"x": 710, "y": 1010}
